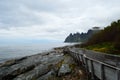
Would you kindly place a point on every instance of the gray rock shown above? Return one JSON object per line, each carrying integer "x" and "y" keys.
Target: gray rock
{"x": 9, "y": 72}
{"x": 31, "y": 67}
{"x": 35, "y": 73}
{"x": 47, "y": 76}
{"x": 46, "y": 65}
{"x": 65, "y": 69}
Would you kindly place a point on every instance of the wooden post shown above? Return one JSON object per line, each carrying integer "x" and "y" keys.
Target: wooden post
{"x": 92, "y": 70}
{"x": 87, "y": 68}
{"x": 118, "y": 74}
{"x": 102, "y": 72}
{"x": 79, "y": 60}
{"x": 82, "y": 60}
{"x": 86, "y": 65}
{"x": 75, "y": 57}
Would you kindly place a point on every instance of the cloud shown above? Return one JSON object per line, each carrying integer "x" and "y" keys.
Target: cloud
{"x": 54, "y": 19}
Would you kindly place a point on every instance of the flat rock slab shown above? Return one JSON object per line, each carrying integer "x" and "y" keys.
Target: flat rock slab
{"x": 30, "y": 67}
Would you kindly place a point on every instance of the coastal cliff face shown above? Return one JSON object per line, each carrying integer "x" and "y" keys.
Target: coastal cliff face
{"x": 52, "y": 65}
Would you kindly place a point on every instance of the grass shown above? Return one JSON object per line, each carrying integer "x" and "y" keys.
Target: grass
{"x": 104, "y": 47}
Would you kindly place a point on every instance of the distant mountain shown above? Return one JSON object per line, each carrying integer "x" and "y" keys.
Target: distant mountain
{"x": 81, "y": 37}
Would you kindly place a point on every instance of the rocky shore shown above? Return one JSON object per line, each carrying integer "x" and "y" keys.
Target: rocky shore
{"x": 52, "y": 65}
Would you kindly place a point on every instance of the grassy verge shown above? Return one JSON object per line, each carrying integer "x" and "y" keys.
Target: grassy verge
{"x": 104, "y": 47}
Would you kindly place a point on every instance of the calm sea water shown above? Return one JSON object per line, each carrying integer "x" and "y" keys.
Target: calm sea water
{"x": 15, "y": 51}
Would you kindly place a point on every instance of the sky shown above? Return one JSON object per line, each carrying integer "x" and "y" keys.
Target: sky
{"x": 53, "y": 20}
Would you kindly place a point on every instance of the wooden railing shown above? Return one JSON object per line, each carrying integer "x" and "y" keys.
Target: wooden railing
{"x": 104, "y": 67}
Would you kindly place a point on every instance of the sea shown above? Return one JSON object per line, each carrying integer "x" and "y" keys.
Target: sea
{"x": 13, "y": 51}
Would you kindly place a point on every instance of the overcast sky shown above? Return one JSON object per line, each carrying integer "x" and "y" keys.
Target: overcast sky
{"x": 46, "y": 20}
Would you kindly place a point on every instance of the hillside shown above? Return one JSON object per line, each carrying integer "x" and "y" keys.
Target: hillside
{"x": 107, "y": 40}
{"x": 81, "y": 37}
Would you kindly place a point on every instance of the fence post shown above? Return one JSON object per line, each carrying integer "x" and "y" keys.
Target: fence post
{"x": 73, "y": 54}
{"x": 79, "y": 60}
{"x": 82, "y": 60}
{"x": 118, "y": 74}
{"x": 86, "y": 64}
{"x": 76, "y": 57}
{"x": 92, "y": 70}
{"x": 102, "y": 72}
{"x": 87, "y": 68}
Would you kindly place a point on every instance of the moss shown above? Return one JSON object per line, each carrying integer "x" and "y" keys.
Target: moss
{"x": 58, "y": 65}
{"x": 34, "y": 79}
{"x": 101, "y": 49}
{"x": 72, "y": 66}
{"x": 66, "y": 55}
{"x": 50, "y": 66}
{"x": 54, "y": 78}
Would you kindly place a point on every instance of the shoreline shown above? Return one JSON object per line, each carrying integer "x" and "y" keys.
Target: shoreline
{"x": 8, "y": 52}
{"x": 2, "y": 60}
{"x": 51, "y": 65}
{"x": 56, "y": 64}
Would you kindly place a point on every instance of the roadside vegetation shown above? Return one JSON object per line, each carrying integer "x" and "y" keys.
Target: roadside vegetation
{"x": 107, "y": 40}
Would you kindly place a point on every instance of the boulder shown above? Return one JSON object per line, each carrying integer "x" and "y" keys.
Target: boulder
{"x": 65, "y": 69}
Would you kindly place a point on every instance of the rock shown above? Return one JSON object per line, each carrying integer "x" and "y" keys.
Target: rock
{"x": 9, "y": 72}
{"x": 47, "y": 76}
{"x": 11, "y": 62}
{"x": 23, "y": 65}
{"x": 44, "y": 66}
{"x": 65, "y": 69}
{"x": 35, "y": 73}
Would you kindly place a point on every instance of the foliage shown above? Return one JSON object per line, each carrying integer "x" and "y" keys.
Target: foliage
{"x": 103, "y": 47}
{"x": 100, "y": 40}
